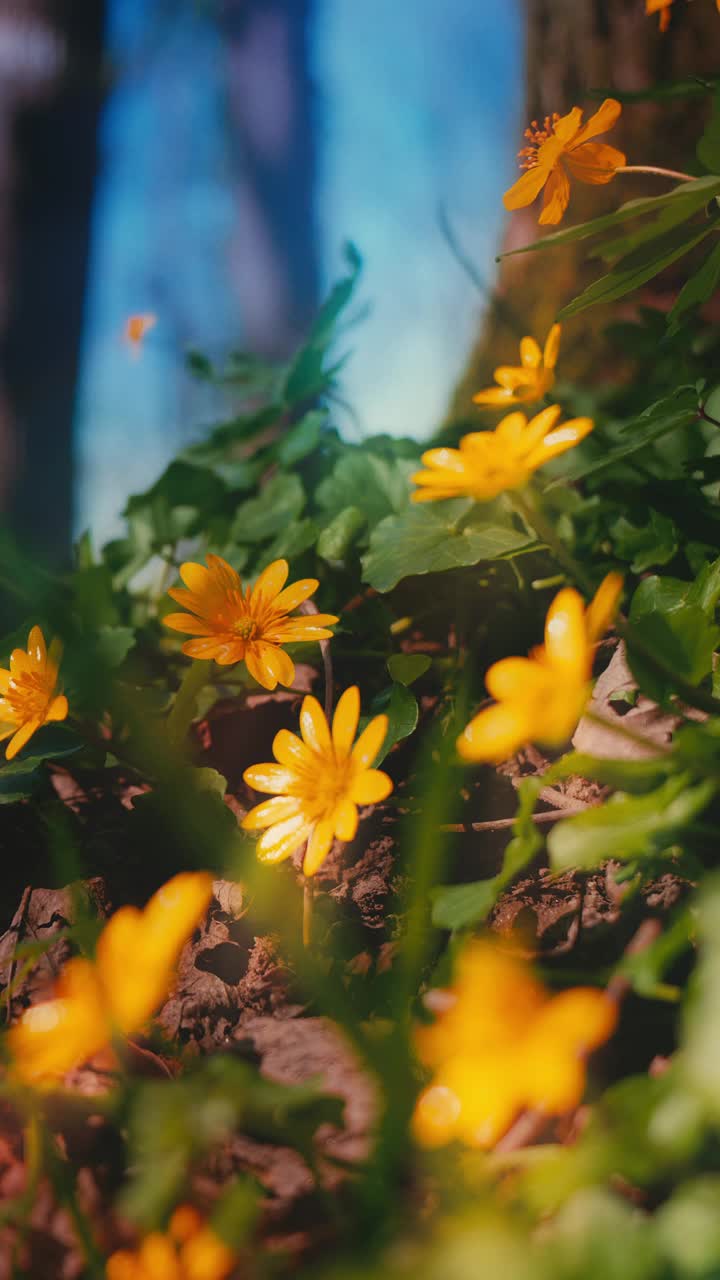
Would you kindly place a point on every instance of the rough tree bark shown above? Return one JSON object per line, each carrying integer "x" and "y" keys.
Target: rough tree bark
{"x": 572, "y": 47}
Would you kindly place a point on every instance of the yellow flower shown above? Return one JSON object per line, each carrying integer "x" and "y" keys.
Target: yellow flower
{"x": 132, "y": 972}
{"x": 317, "y": 782}
{"x": 489, "y": 462}
{"x": 562, "y": 143}
{"x": 189, "y": 1251}
{"x": 541, "y": 698}
{"x": 234, "y": 626}
{"x": 28, "y": 689}
{"x": 502, "y": 1045}
{"x": 528, "y": 381}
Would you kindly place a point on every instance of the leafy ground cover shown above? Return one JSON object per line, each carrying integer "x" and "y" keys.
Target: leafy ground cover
{"x": 315, "y": 956}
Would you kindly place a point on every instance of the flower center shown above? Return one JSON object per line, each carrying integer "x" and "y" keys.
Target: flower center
{"x": 536, "y": 134}
{"x": 28, "y": 696}
{"x": 245, "y": 628}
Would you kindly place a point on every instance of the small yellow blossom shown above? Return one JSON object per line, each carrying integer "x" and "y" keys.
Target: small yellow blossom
{"x": 117, "y": 992}
{"x": 29, "y": 698}
{"x": 489, "y": 462}
{"x": 502, "y": 1045}
{"x": 189, "y": 1251}
{"x": 317, "y": 782}
{"x": 528, "y": 381}
{"x": 541, "y": 698}
{"x": 250, "y": 626}
{"x": 562, "y": 143}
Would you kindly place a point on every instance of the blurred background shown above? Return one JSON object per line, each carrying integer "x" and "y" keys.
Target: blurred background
{"x": 202, "y": 162}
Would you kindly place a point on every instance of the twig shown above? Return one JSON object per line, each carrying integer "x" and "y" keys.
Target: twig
{"x": 643, "y": 938}
{"x": 500, "y": 824}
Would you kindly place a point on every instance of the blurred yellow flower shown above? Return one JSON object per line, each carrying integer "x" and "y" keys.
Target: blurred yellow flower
{"x": 132, "y": 972}
{"x": 489, "y": 462}
{"x": 561, "y": 143}
{"x": 189, "y": 1251}
{"x": 137, "y": 326}
{"x": 29, "y": 698}
{"x": 541, "y": 698}
{"x": 250, "y": 626}
{"x": 317, "y": 782}
{"x": 528, "y": 381}
{"x": 662, "y": 8}
{"x": 502, "y": 1045}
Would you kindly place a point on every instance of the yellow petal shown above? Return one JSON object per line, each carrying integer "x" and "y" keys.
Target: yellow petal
{"x": 603, "y": 606}
{"x": 23, "y": 735}
{"x": 281, "y": 840}
{"x": 595, "y": 162}
{"x": 294, "y": 595}
{"x": 157, "y": 1259}
{"x": 223, "y": 573}
{"x": 5, "y": 679}
{"x": 556, "y": 198}
{"x": 36, "y": 647}
{"x": 527, "y": 187}
{"x": 370, "y": 741}
{"x": 268, "y": 664}
{"x": 496, "y": 733}
{"x": 58, "y": 708}
{"x": 577, "y": 1020}
{"x": 206, "y": 1257}
{"x": 345, "y": 721}
{"x": 195, "y": 576}
{"x": 270, "y": 812}
{"x": 559, "y": 441}
{"x": 52, "y": 1038}
{"x": 530, "y": 353}
{"x": 272, "y": 580}
{"x": 552, "y": 347}
{"x": 319, "y": 846}
{"x": 123, "y": 1265}
{"x": 515, "y": 678}
{"x": 436, "y": 1115}
{"x": 138, "y": 950}
{"x": 186, "y": 623}
{"x": 566, "y": 643}
{"x": 314, "y": 726}
{"x": 494, "y": 396}
{"x": 225, "y": 652}
{"x": 345, "y": 820}
{"x": 370, "y": 787}
{"x": 290, "y": 750}
{"x": 604, "y": 118}
{"x": 449, "y": 459}
{"x": 274, "y": 778}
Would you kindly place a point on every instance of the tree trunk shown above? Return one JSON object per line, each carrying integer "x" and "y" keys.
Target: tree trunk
{"x": 574, "y": 47}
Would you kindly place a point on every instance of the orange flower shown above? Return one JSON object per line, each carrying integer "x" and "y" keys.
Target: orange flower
{"x": 502, "y": 1045}
{"x": 489, "y": 462}
{"x": 29, "y": 698}
{"x": 137, "y": 326}
{"x": 130, "y": 976}
{"x": 234, "y": 626}
{"x": 561, "y": 144}
{"x": 541, "y": 698}
{"x": 317, "y": 782}
{"x": 189, "y": 1251}
{"x": 528, "y": 381}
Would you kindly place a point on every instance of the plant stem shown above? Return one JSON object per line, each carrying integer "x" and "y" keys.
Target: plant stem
{"x": 309, "y": 606}
{"x": 536, "y": 523}
{"x": 183, "y": 708}
{"x": 308, "y": 898}
{"x": 651, "y": 168}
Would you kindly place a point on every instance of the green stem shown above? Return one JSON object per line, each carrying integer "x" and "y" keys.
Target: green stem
{"x": 535, "y": 521}
{"x": 183, "y": 709}
{"x": 652, "y": 168}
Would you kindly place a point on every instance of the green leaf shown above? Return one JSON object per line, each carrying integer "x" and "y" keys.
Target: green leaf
{"x": 276, "y": 506}
{"x": 421, "y": 541}
{"x": 290, "y": 543}
{"x": 338, "y": 536}
{"x": 307, "y": 374}
{"x": 637, "y": 268}
{"x": 627, "y": 827}
{"x": 697, "y": 290}
{"x": 362, "y": 479}
{"x": 684, "y": 639}
{"x": 113, "y": 644}
{"x": 694, "y": 196}
{"x": 673, "y": 413}
{"x": 405, "y": 668}
{"x": 708, "y": 148}
{"x": 654, "y": 542}
{"x": 20, "y": 777}
{"x": 690, "y": 87}
{"x": 301, "y": 439}
{"x": 402, "y": 712}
